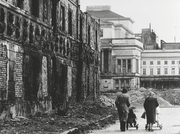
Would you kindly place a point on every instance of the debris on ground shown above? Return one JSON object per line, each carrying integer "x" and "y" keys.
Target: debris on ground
{"x": 138, "y": 97}
{"x": 86, "y": 115}
{"x": 171, "y": 95}
{"x": 78, "y": 115}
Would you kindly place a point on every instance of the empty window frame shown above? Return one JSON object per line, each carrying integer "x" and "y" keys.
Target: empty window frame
{"x": 89, "y": 34}
{"x": 70, "y": 22}
{"x": 81, "y": 28}
{"x": 20, "y": 4}
{"x": 35, "y": 8}
{"x": 62, "y": 18}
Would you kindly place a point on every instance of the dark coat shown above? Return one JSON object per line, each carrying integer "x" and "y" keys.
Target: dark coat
{"x": 122, "y": 103}
{"x": 150, "y": 106}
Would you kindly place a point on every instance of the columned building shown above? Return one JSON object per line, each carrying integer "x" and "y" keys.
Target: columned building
{"x": 120, "y": 63}
{"x": 120, "y": 52}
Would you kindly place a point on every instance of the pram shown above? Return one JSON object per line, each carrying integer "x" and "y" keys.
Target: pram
{"x": 131, "y": 121}
{"x": 156, "y": 121}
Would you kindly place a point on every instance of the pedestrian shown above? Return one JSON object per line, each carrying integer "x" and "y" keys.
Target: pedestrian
{"x": 150, "y": 105}
{"x": 122, "y": 103}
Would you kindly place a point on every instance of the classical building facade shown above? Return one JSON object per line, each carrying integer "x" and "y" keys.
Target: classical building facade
{"x": 160, "y": 68}
{"x": 134, "y": 60}
{"x": 120, "y": 51}
{"x": 48, "y": 55}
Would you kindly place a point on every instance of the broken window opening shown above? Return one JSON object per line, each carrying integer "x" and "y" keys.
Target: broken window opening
{"x": 70, "y": 22}
{"x": 20, "y": 4}
{"x": 35, "y": 8}
{"x": 35, "y": 74}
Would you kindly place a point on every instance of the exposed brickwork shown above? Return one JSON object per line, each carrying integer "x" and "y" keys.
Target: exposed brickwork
{"x": 55, "y": 53}
{"x": 18, "y": 73}
{"x": 3, "y": 72}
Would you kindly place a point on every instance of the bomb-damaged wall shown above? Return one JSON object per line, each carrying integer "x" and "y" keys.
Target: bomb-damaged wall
{"x": 90, "y": 57}
{"x": 47, "y": 70}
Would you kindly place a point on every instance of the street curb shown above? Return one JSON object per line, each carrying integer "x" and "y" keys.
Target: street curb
{"x": 102, "y": 122}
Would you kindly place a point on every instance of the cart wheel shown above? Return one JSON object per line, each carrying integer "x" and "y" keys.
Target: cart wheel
{"x": 136, "y": 127}
{"x": 146, "y": 126}
{"x": 160, "y": 126}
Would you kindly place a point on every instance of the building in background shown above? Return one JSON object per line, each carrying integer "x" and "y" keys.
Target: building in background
{"x": 48, "y": 55}
{"x": 149, "y": 39}
{"x": 170, "y": 45}
{"x": 133, "y": 60}
{"x": 160, "y": 69}
{"x": 120, "y": 51}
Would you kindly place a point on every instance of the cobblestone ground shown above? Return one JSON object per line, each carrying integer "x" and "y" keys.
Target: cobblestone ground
{"x": 169, "y": 118}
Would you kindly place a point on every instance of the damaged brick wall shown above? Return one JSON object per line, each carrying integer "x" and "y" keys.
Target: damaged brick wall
{"x": 53, "y": 62}
{"x": 3, "y": 75}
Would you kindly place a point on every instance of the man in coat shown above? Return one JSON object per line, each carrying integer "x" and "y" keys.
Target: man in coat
{"x": 150, "y": 105}
{"x": 122, "y": 103}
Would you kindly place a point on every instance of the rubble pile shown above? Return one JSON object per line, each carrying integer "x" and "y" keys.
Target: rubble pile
{"x": 138, "y": 96}
{"x": 86, "y": 115}
{"x": 107, "y": 102}
{"x": 171, "y": 95}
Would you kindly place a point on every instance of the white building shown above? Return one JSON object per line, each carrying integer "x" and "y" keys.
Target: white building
{"x": 129, "y": 61}
{"x": 120, "y": 51}
{"x": 160, "y": 68}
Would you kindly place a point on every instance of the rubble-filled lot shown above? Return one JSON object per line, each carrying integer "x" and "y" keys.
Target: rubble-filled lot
{"x": 171, "y": 95}
{"x": 83, "y": 114}
{"x": 88, "y": 112}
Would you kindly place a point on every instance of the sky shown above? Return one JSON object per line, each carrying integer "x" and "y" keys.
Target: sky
{"x": 162, "y": 15}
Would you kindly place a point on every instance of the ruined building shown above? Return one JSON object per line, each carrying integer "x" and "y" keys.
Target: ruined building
{"x": 48, "y": 55}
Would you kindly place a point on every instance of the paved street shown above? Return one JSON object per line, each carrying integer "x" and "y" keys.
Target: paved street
{"x": 169, "y": 117}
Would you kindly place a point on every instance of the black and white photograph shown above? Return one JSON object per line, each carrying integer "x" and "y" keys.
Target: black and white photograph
{"x": 89, "y": 66}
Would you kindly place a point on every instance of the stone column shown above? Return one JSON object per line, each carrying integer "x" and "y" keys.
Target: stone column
{"x": 133, "y": 65}
{"x": 116, "y": 66}
{"x": 109, "y": 61}
{"x": 102, "y": 60}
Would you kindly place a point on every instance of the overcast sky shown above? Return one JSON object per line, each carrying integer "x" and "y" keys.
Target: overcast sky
{"x": 164, "y": 15}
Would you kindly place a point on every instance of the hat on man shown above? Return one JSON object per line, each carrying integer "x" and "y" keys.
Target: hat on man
{"x": 124, "y": 90}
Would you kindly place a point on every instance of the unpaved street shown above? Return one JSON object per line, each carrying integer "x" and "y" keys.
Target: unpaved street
{"x": 169, "y": 117}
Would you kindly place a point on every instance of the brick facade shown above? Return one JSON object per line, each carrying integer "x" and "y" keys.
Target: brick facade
{"x": 48, "y": 55}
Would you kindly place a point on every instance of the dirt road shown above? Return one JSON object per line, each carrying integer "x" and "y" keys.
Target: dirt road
{"x": 169, "y": 118}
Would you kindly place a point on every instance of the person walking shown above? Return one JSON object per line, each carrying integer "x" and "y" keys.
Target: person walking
{"x": 123, "y": 103}
{"x": 150, "y": 105}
